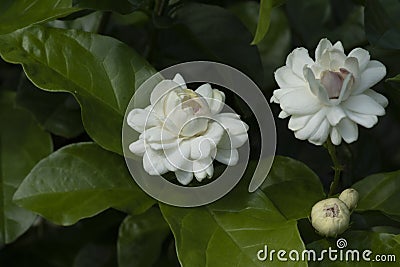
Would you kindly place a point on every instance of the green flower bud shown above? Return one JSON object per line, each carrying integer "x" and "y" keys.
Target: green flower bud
{"x": 330, "y": 217}
{"x": 350, "y": 198}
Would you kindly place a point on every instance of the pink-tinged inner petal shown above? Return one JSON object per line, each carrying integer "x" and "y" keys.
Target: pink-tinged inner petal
{"x": 332, "y": 81}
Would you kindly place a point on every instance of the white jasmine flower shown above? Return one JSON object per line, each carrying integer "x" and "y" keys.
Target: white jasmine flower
{"x": 184, "y": 131}
{"x": 330, "y": 217}
{"x": 350, "y": 198}
{"x": 331, "y": 95}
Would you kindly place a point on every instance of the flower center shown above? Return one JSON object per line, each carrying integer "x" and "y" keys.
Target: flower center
{"x": 332, "y": 212}
{"x": 193, "y": 100}
{"x": 333, "y": 82}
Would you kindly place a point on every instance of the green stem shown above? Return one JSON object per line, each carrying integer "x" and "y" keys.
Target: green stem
{"x": 160, "y": 6}
{"x": 337, "y": 167}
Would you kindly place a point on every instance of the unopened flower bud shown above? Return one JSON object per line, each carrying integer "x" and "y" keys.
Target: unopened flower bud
{"x": 350, "y": 198}
{"x": 330, "y": 217}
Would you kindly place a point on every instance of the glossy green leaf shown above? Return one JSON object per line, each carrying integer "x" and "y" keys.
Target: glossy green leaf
{"x": 292, "y": 187}
{"x": 140, "y": 239}
{"x": 58, "y": 113}
{"x": 382, "y": 23}
{"x": 378, "y": 243}
{"x": 101, "y": 72}
{"x": 22, "y": 144}
{"x": 231, "y": 231}
{"x": 17, "y": 14}
{"x": 263, "y": 20}
{"x": 380, "y": 192}
{"x": 79, "y": 181}
{"x": 207, "y": 32}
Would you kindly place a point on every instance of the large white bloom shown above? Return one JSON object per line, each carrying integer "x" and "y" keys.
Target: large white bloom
{"x": 184, "y": 131}
{"x": 331, "y": 95}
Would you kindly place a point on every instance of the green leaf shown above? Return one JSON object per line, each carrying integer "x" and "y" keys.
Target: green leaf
{"x": 140, "y": 239}
{"x": 101, "y": 72}
{"x": 58, "y": 113}
{"x": 80, "y": 181}
{"x": 88, "y": 23}
{"x": 395, "y": 79}
{"x": 17, "y": 14}
{"x": 232, "y": 230}
{"x": 263, "y": 21}
{"x": 380, "y": 192}
{"x": 378, "y": 243}
{"x": 207, "y": 32}
{"x": 382, "y": 24}
{"x": 22, "y": 144}
{"x": 292, "y": 187}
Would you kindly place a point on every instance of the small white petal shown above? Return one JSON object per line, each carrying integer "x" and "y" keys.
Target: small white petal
{"x": 298, "y": 122}
{"x": 348, "y": 130}
{"x": 171, "y": 103}
{"x": 335, "y": 136}
{"x": 184, "y": 177}
{"x": 362, "y": 119}
{"x": 285, "y": 77}
{"x": 232, "y": 141}
{"x": 227, "y": 156}
{"x": 339, "y": 46}
{"x": 380, "y": 99}
{"x": 298, "y": 59}
{"x": 345, "y": 91}
{"x": 362, "y": 56}
{"x": 283, "y": 115}
{"x": 372, "y": 74}
{"x": 179, "y": 80}
{"x": 205, "y": 90}
{"x": 312, "y": 125}
{"x": 179, "y": 156}
{"x": 316, "y": 88}
{"x": 274, "y": 99}
{"x": 201, "y": 148}
{"x": 320, "y": 136}
{"x": 153, "y": 162}
{"x": 201, "y": 167}
{"x": 214, "y": 131}
{"x": 210, "y": 170}
{"x": 335, "y": 115}
{"x": 159, "y": 135}
{"x": 351, "y": 64}
{"x": 216, "y": 103}
{"x": 322, "y": 46}
{"x": 337, "y": 59}
{"x": 194, "y": 127}
{"x": 299, "y": 102}
{"x": 161, "y": 89}
{"x": 363, "y": 104}
{"x": 232, "y": 123}
{"x": 139, "y": 119}
{"x": 138, "y": 147}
